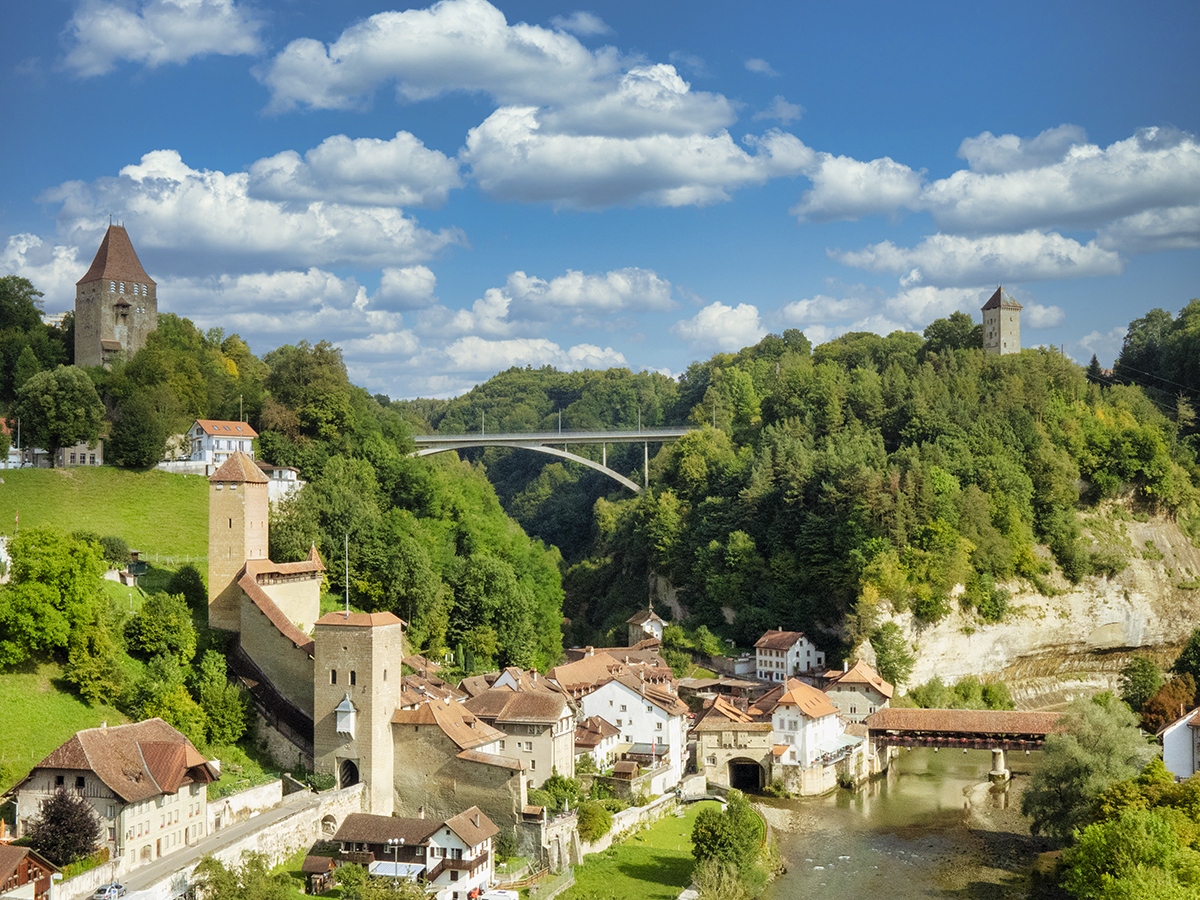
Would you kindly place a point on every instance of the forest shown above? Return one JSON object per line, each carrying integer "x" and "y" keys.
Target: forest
{"x": 820, "y": 488}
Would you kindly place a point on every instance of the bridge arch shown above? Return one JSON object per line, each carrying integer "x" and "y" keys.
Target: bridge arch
{"x": 537, "y": 448}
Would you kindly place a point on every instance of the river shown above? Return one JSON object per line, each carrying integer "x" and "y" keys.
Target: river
{"x": 932, "y": 828}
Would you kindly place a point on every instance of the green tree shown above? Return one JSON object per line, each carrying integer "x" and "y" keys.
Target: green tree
{"x": 893, "y": 658}
{"x": 164, "y": 626}
{"x": 95, "y": 662}
{"x": 595, "y": 820}
{"x": 20, "y": 304}
{"x": 1122, "y": 857}
{"x": 27, "y": 366}
{"x": 188, "y": 583}
{"x": 66, "y": 828}
{"x": 223, "y": 703}
{"x": 1100, "y": 744}
{"x": 58, "y": 408}
{"x": 252, "y": 880}
{"x": 956, "y": 332}
{"x": 1140, "y": 680}
{"x": 1188, "y": 661}
{"x": 139, "y": 433}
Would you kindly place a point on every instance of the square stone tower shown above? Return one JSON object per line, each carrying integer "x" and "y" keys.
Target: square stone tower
{"x": 356, "y": 690}
{"x": 237, "y": 533}
{"x": 1001, "y": 324}
{"x": 116, "y": 303}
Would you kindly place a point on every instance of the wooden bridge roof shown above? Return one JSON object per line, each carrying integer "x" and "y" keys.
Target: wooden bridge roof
{"x": 963, "y": 721}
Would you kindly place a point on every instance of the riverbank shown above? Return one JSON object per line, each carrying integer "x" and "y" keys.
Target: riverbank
{"x": 653, "y": 863}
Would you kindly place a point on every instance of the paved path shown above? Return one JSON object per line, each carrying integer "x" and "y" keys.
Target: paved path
{"x": 162, "y": 869}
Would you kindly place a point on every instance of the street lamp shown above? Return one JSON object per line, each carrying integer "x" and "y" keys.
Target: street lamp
{"x": 395, "y": 844}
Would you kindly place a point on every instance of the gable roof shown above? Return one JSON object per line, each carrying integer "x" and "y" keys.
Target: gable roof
{"x": 238, "y": 469}
{"x": 116, "y": 260}
{"x": 861, "y": 673}
{"x": 1002, "y": 299}
{"x": 724, "y": 716}
{"x": 365, "y": 828}
{"x": 811, "y": 702}
{"x": 646, "y": 615}
{"x": 653, "y": 693}
{"x": 360, "y": 620}
{"x": 596, "y": 670}
{"x": 225, "y": 428}
{"x": 778, "y": 639}
{"x": 472, "y": 826}
{"x": 507, "y": 706}
{"x": 136, "y": 762}
{"x": 457, "y": 722}
{"x": 249, "y": 585}
{"x": 593, "y": 730}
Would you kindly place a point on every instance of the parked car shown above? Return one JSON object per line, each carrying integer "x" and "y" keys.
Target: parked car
{"x": 109, "y": 891}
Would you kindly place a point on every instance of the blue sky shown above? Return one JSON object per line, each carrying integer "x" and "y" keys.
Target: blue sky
{"x": 447, "y": 190}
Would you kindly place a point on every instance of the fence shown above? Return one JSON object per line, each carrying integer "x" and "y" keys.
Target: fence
{"x": 552, "y": 887}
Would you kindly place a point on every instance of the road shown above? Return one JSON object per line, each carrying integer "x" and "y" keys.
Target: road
{"x": 162, "y": 869}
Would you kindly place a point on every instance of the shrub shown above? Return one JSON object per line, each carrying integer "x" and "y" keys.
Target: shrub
{"x": 188, "y": 584}
{"x": 594, "y": 820}
{"x": 116, "y": 551}
{"x": 65, "y": 829}
{"x": 505, "y": 844}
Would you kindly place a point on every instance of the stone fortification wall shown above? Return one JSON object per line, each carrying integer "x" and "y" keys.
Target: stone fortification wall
{"x": 244, "y": 804}
{"x": 628, "y": 820}
{"x": 289, "y": 668}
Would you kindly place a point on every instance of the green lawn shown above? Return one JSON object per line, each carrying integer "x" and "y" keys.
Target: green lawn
{"x": 165, "y": 516}
{"x": 655, "y": 864}
{"x": 39, "y": 714}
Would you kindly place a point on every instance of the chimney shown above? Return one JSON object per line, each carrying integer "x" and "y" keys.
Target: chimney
{"x": 845, "y": 665}
{"x": 420, "y": 812}
{"x": 475, "y": 819}
{"x": 589, "y": 651}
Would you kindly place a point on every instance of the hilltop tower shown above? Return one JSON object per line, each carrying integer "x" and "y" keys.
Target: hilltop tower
{"x": 1001, "y": 323}
{"x": 356, "y": 690}
{"x": 116, "y": 303}
{"x": 237, "y": 533}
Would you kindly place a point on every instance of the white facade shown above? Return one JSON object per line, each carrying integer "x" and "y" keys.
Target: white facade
{"x": 641, "y": 720}
{"x": 457, "y": 868}
{"x": 214, "y": 442}
{"x": 1181, "y": 745}
{"x": 781, "y": 664}
{"x": 808, "y": 739}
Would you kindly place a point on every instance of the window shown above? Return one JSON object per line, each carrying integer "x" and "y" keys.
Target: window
{"x": 353, "y": 677}
{"x": 624, "y": 708}
{"x": 112, "y": 287}
{"x": 620, "y": 722}
{"x": 122, "y": 290}
{"x": 385, "y": 676}
{"x": 79, "y": 782}
{"x": 502, "y": 745}
{"x": 333, "y": 676}
{"x": 658, "y": 726}
{"x": 532, "y": 764}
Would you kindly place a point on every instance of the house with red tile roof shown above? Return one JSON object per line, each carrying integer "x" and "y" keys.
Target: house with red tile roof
{"x": 780, "y": 655}
{"x": 146, "y": 782}
{"x": 213, "y": 441}
{"x": 25, "y": 874}
{"x": 857, "y": 691}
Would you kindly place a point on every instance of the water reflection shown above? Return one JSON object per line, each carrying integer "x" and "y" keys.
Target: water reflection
{"x": 934, "y": 827}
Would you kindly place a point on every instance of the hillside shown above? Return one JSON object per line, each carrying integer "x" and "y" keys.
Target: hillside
{"x": 163, "y": 516}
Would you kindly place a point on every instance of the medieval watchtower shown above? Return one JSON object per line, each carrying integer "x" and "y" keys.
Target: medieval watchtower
{"x": 356, "y": 690}
{"x": 1001, "y": 323}
{"x": 116, "y": 303}
{"x": 237, "y": 533}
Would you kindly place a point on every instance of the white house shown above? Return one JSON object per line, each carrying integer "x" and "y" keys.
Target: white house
{"x": 780, "y": 654}
{"x": 597, "y": 738}
{"x": 1181, "y": 745}
{"x": 807, "y": 723}
{"x": 214, "y": 441}
{"x": 282, "y": 481}
{"x": 643, "y": 625}
{"x": 857, "y": 691}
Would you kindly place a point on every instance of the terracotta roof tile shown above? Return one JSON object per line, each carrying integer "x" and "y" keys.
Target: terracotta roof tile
{"x": 360, "y": 620}
{"x": 491, "y": 759}
{"x": 472, "y": 826}
{"x": 226, "y": 428}
{"x": 457, "y": 722}
{"x": 646, "y": 615}
{"x": 967, "y": 721}
{"x": 861, "y": 673}
{"x": 116, "y": 260}
{"x": 317, "y": 865}
{"x": 259, "y": 597}
{"x": 778, "y": 640}
{"x": 370, "y": 829}
{"x": 811, "y": 702}
{"x": 508, "y": 706}
{"x": 238, "y": 469}
{"x": 724, "y": 716}
{"x": 591, "y": 731}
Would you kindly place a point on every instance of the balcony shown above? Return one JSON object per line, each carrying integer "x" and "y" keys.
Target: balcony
{"x": 461, "y": 865}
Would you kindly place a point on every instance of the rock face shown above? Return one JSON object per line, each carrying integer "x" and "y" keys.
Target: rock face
{"x": 1049, "y": 650}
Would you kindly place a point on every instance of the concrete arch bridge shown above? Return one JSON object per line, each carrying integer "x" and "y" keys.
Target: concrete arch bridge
{"x": 555, "y": 443}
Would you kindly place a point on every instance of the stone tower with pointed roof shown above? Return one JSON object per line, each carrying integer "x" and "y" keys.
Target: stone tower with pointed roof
{"x": 116, "y": 303}
{"x": 1001, "y": 323}
{"x": 237, "y": 534}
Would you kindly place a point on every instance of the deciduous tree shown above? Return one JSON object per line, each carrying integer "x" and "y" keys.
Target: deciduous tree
{"x": 66, "y": 828}
{"x": 58, "y": 408}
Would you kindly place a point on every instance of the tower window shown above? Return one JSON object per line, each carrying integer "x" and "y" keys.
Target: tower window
{"x": 112, "y": 287}
{"x": 231, "y": 523}
{"x": 353, "y": 677}
{"x": 122, "y": 290}
{"x": 333, "y": 676}
{"x": 385, "y": 676}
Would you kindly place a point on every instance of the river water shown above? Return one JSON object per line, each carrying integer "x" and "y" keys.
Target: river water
{"x": 932, "y": 828}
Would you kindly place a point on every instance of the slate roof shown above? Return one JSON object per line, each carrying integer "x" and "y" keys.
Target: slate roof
{"x": 810, "y": 701}
{"x": 964, "y": 721}
{"x": 238, "y": 469}
{"x": 116, "y": 260}
{"x": 472, "y": 826}
{"x": 365, "y": 828}
{"x": 226, "y": 428}
{"x": 507, "y": 706}
{"x": 1002, "y": 299}
{"x": 457, "y": 722}
{"x": 860, "y": 673}
{"x": 136, "y": 762}
{"x": 778, "y": 639}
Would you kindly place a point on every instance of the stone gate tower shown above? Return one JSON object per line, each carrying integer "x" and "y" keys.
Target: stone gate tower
{"x": 237, "y": 533}
{"x": 116, "y": 303}
{"x": 1001, "y": 323}
{"x": 356, "y": 690}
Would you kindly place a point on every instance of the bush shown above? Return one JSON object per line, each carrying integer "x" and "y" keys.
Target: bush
{"x": 595, "y": 820}
{"x": 116, "y": 551}
{"x": 164, "y": 626}
{"x": 505, "y": 844}
{"x": 66, "y": 828}
{"x": 189, "y": 585}
{"x": 776, "y": 789}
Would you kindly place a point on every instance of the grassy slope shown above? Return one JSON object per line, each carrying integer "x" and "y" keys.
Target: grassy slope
{"x": 40, "y": 713}
{"x": 164, "y": 516}
{"x": 655, "y": 864}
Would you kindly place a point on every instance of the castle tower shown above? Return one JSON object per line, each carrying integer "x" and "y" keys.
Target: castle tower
{"x": 356, "y": 690}
{"x": 237, "y": 534}
{"x": 1001, "y": 324}
{"x": 116, "y": 303}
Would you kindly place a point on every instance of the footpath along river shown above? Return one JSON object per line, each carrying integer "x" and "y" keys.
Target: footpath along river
{"x": 933, "y": 828}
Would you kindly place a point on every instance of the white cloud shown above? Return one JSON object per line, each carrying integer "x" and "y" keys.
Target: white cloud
{"x": 1035, "y": 315}
{"x": 918, "y": 306}
{"x": 585, "y": 24}
{"x": 620, "y": 289}
{"x": 513, "y": 158}
{"x": 455, "y": 45}
{"x": 52, "y": 268}
{"x": 202, "y": 220}
{"x": 944, "y": 259}
{"x": 760, "y": 67}
{"x": 1154, "y": 229}
{"x": 397, "y": 172}
{"x": 821, "y": 309}
{"x": 156, "y": 32}
{"x": 722, "y": 327}
{"x": 1009, "y": 153}
{"x": 408, "y": 287}
{"x": 781, "y": 111}
{"x": 1105, "y": 345}
{"x": 475, "y": 354}
{"x": 846, "y": 188}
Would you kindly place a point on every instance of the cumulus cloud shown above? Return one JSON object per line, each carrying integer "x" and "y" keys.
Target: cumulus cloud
{"x": 944, "y": 259}
{"x": 455, "y": 45}
{"x": 408, "y": 287}
{"x": 584, "y": 24}
{"x": 916, "y": 307}
{"x": 401, "y": 171}
{"x": 206, "y": 220}
{"x": 781, "y": 111}
{"x": 474, "y": 354}
{"x": 722, "y": 327}
{"x": 760, "y": 67}
{"x": 1035, "y": 315}
{"x": 1009, "y": 153}
{"x": 1154, "y": 229}
{"x": 847, "y": 188}
{"x": 53, "y": 268}
{"x": 155, "y": 32}
{"x": 607, "y": 292}
{"x": 821, "y": 309}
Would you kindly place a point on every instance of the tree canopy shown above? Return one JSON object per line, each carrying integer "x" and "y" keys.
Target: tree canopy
{"x": 57, "y": 408}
